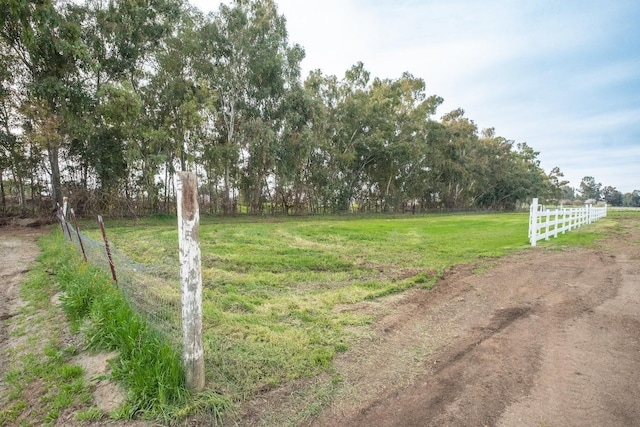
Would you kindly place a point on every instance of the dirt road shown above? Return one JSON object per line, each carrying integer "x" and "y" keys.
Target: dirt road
{"x": 543, "y": 338}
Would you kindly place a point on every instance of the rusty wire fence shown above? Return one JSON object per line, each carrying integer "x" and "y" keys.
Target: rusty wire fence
{"x": 153, "y": 291}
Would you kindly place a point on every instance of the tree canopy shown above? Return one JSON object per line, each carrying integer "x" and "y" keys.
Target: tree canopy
{"x": 104, "y": 101}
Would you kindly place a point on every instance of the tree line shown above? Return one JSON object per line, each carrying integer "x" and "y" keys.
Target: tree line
{"x": 104, "y": 100}
{"x": 591, "y": 189}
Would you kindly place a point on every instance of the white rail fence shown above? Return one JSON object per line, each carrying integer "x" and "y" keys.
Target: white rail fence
{"x": 546, "y": 223}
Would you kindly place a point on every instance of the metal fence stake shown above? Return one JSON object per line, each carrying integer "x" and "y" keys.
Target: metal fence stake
{"x": 106, "y": 248}
{"x": 75, "y": 224}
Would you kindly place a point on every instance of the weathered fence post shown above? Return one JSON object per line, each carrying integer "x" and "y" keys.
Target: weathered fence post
{"x": 533, "y": 221}
{"x": 190, "y": 279}
{"x": 61, "y": 218}
{"x": 62, "y": 213}
{"x": 65, "y": 207}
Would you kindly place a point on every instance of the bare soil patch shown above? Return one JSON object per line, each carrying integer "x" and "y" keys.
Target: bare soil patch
{"x": 18, "y": 250}
{"x": 544, "y": 338}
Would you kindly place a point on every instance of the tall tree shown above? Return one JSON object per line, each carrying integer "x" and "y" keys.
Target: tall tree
{"x": 631, "y": 199}
{"x": 590, "y": 189}
{"x": 556, "y": 184}
{"x": 455, "y": 159}
{"x": 251, "y": 65}
{"x": 48, "y": 43}
{"x": 612, "y": 196}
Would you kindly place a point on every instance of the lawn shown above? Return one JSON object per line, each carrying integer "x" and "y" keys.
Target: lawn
{"x": 274, "y": 289}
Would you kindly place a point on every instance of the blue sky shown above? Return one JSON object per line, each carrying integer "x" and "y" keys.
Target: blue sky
{"x": 562, "y": 76}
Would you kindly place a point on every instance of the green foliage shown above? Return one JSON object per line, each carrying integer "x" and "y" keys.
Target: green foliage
{"x": 149, "y": 368}
{"x": 126, "y": 92}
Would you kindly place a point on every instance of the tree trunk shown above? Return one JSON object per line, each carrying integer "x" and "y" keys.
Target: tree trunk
{"x": 33, "y": 195}
{"x": 2, "y": 195}
{"x": 226, "y": 200}
{"x": 56, "y": 187}
{"x": 257, "y": 193}
{"x": 21, "y": 197}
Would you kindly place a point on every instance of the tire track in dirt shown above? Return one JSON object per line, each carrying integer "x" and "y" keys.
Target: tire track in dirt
{"x": 545, "y": 337}
{"x": 590, "y": 375}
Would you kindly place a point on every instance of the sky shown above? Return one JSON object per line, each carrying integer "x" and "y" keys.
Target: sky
{"x": 562, "y": 76}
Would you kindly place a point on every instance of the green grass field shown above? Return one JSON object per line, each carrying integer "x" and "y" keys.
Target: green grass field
{"x": 280, "y": 297}
{"x": 271, "y": 287}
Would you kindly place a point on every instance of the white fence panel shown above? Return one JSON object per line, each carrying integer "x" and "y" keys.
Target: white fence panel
{"x": 546, "y": 223}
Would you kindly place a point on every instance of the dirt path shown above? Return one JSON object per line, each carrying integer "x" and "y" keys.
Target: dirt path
{"x": 18, "y": 250}
{"x": 544, "y": 338}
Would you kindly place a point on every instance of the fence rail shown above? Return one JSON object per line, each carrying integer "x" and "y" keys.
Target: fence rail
{"x": 546, "y": 223}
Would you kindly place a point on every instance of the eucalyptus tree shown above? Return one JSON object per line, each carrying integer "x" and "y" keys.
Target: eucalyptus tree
{"x": 529, "y": 179}
{"x": 556, "y": 183}
{"x": 293, "y": 154}
{"x": 612, "y": 196}
{"x": 590, "y": 189}
{"x": 324, "y": 97}
{"x": 455, "y": 157}
{"x": 178, "y": 104}
{"x": 403, "y": 149}
{"x": 338, "y": 128}
{"x": 10, "y": 152}
{"x": 124, "y": 35}
{"x": 20, "y": 155}
{"x": 491, "y": 169}
{"x": 251, "y": 66}
{"x": 47, "y": 41}
{"x": 371, "y": 138}
{"x": 123, "y": 39}
{"x": 507, "y": 173}
{"x": 631, "y": 199}
{"x": 568, "y": 193}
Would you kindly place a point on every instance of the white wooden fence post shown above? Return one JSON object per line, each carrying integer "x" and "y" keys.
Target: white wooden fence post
{"x": 533, "y": 221}
{"x": 190, "y": 279}
{"x": 65, "y": 215}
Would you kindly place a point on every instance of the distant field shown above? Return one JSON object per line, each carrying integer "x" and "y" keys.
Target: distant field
{"x": 272, "y": 288}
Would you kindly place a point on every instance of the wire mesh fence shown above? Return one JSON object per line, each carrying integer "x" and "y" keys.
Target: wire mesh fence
{"x": 153, "y": 291}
